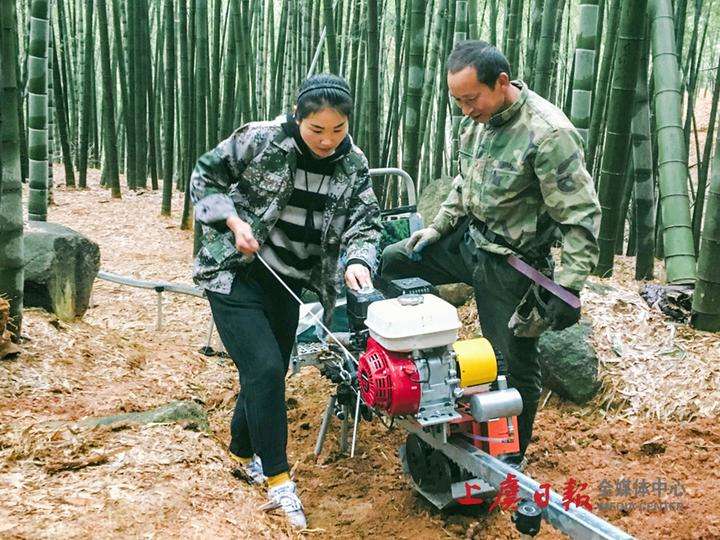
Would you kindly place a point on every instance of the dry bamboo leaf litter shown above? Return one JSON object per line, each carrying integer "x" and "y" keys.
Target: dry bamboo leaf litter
{"x": 154, "y": 481}
{"x": 7, "y": 347}
{"x": 144, "y": 485}
{"x": 649, "y": 366}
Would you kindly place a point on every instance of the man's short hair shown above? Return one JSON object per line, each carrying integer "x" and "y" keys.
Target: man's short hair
{"x": 488, "y": 62}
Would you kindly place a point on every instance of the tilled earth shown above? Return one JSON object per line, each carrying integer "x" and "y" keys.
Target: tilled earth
{"x": 61, "y": 480}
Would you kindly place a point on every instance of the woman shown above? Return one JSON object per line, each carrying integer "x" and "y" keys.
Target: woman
{"x": 294, "y": 190}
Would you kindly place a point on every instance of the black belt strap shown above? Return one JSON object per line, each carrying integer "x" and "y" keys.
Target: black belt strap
{"x": 494, "y": 238}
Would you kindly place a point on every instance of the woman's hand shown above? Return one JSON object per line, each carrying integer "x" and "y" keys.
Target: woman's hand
{"x": 357, "y": 276}
{"x": 244, "y": 240}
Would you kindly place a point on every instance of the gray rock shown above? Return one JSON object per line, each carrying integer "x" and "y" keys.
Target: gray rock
{"x": 432, "y": 197}
{"x": 569, "y": 363}
{"x": 599, "y": 288}
{"x": 172, "y": 412}
{"x": 455, "y": 293}
{"x": 60, "y": 268}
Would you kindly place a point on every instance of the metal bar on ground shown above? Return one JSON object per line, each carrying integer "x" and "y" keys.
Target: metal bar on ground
{"x": 158, "y": 325}
{"x": 178, "y": 288}
{"x": 575, "y": 522}
{"x": 210, "y": 333}
{"x": 344, "y": 428}
{"x": 356, "y": 421}
{"x": 329, "y": 410}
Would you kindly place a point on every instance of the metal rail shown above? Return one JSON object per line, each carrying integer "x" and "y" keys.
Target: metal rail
{"x": 575, "y": 522}
{"x": 159, "y": 287}
{"x": 394, "y": 171}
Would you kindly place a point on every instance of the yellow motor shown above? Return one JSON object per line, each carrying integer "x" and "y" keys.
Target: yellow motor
{"x": 476, "y": 360}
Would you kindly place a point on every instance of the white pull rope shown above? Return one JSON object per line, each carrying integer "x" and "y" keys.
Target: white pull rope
{"x": 314, "y": 315}
{"x": 356, "y": 420}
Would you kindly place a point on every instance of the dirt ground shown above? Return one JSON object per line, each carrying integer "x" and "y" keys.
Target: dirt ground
{"x": 61, "y": 480}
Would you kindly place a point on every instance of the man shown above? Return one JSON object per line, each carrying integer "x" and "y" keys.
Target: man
{"x": 522, "y": 180}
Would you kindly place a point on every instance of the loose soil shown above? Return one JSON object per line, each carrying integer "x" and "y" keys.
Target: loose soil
{"x": 61, "y": 480}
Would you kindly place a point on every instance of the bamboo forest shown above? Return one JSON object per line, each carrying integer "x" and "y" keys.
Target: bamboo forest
{"x": 539, "y": 180}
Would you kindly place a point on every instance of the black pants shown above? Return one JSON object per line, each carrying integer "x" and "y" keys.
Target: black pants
{"x": 498, "y": 290}
{"x": 257, "y": 323}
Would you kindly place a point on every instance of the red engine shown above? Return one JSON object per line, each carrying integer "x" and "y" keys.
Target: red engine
{"x": 388, "y": 381}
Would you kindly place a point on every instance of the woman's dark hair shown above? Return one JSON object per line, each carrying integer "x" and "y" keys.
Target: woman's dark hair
{"x": 488, "y": 62}
{"x": 322, "y": 91}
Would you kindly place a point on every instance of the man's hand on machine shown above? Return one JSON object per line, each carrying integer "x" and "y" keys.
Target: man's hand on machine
{"x": 244, "y": 240}
{"x": 357, "y": 276}
{"x": 421, "y": 239}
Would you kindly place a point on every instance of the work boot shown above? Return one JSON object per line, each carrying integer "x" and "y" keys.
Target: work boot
{"x": 250, "y": 471}
{"x": 516, "y": 461}
{"x": 285, "y": 497}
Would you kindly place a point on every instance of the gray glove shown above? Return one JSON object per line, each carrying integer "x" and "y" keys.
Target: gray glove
{"x": 422, "y": 239}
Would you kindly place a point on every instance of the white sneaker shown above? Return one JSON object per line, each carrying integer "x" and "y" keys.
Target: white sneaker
{"x": 286, "y": 498}
{"x": 251, "y": 472}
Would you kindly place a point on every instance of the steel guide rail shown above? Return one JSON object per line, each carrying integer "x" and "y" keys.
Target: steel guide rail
{"x": 575, "y": 522}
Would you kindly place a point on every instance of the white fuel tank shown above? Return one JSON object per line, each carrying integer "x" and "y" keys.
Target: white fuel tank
{"x": 413, "y": 321}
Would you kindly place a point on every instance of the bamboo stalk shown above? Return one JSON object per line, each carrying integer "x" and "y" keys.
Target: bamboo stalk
{"x": 614, "y": 159}
{"x": 38, "y": 110}
{"x": 11, "y": 225}
{"x": 672, "y": 155}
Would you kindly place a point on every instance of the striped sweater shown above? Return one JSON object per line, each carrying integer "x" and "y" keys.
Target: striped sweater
{"x": 293, "y": 245}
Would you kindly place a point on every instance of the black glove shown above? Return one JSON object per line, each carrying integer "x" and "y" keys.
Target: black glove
{"x": 560, "y": 313}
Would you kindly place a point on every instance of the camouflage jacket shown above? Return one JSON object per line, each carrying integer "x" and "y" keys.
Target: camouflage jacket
{"x": 523, "y": 174}
{"x": 250, "y": 174}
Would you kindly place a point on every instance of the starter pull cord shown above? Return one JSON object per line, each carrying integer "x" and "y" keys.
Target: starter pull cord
{"x": 331, "y": 335}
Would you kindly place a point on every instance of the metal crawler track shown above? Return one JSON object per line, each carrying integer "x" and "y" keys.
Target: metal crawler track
{"x": 575, "y": 522}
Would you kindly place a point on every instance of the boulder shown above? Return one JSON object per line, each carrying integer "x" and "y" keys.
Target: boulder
{"x": 60, "y": 268}
{"x": 455, "y": 293}
{"x": 178, "y": 411}
{"x": 432, "y": 197}
{"x": 569, "y": 363}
